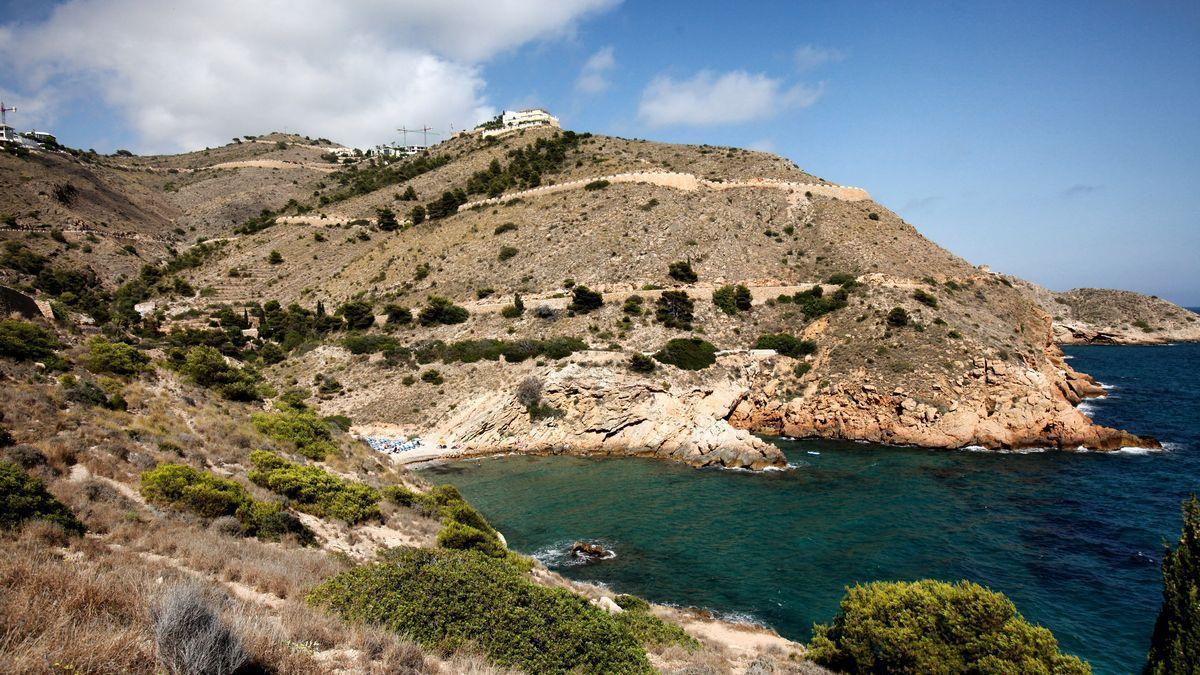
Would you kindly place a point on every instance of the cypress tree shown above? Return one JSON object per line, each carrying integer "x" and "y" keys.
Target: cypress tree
{"x": 1175, "y": 646}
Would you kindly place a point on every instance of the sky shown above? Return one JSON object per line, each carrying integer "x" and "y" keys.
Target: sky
{"x": 1059, "y": 142}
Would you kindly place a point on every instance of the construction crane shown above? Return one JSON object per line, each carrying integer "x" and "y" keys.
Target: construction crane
{"x": 4, "y": 110}
{"x": 424, "y": 131}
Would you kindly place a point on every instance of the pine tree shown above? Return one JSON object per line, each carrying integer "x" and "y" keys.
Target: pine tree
{"x": 1175, "y": 646}
{"x": 320, "y": 308}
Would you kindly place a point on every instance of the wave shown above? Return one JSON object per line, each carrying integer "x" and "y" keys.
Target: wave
{"x": 788, "y": 467}
{"x": 1006, "y": 451}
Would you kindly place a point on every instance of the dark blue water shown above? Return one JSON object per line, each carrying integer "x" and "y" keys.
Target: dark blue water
{"x": 1073, "y": 538}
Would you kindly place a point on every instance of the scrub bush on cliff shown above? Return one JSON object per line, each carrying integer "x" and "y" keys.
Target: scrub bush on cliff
{"x": 24, "y": 497}
{"x": 935, "y": 627}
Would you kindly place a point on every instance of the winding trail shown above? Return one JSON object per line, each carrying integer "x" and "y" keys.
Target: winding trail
{"x": 688, "y": 183}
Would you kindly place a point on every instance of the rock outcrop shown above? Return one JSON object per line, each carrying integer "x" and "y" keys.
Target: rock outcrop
{"x": 607, "y": 412}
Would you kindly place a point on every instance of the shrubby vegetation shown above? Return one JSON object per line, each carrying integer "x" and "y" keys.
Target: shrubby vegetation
{"x": 357, "y": 314}
{"x": 935, "y": 627}
{"x": 898, "y": 317}
{"x": 205, "y": 366}
{"x": 358, "y": 179}
{"x": 925, "y": 298}
{"x": 584, "y": 300}
{"x": 463, "y": 528}
{"x": 439, "y": 310}
{"x": 299, "y": 425}
{"x": 640, "y": 363}
{"x": 185, "y": 488}
{"x": 732, "y": 299}
{"x": 25, "y": 341}
{"x": 649, "y": 629}
{"x": 445, "y": 599}
{"x": 1175, "y": 646}
{"x": 513, "y": 351}
{"x": 24, "y": 498}
{"x": 681, "y": 270}
{"x": 314, "y": 490}
{"x": 118, "y": 358}
{"x": 687, "y": 353}
{"x": 674, "y": 309}
{"x": 814, "y": 303}
{"x": 787, "y": 345}
{"x": 525, "y": 166}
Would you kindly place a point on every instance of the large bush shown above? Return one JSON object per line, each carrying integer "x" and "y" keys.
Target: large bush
{"x": 1175, "y": 646}
{"x": 300, "y": 426}
{"x": 24, "y": 497}
{"x": 445, "y": 600}
{"x": 463, "y": 527}
{"x": 440, "y": 310}
{"x": 688, "y": 353}
{"x": 935, "y": 627}
{"x": 185, "y": 488}
{"x": 357, "y": 314}
{"x": 681, "y": 270}
{"x": 674, "y": 309}
{"x": 788, "y": 345}
{"x": 25, "y": 341}
{"x": 118, "y": 358}
{"x": 732, "y": 299}
{"x": 315, "y": 490}
{"x": 584, "y": 300}
{"x": 206, "y": 367}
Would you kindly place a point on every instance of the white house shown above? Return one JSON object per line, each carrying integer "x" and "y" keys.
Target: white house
{"x": 511, "y": 120}
{"x": 8, "y": 134}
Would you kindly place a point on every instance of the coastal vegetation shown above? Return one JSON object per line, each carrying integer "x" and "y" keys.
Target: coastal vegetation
{"x": 314, "y": 490}
{"x": 24, "y": 497}
{"x": 1175, "y": 645}
{"x": 935, "y": 627}
{"x": 443, "y": 599}
{"x": 687, "y": 353}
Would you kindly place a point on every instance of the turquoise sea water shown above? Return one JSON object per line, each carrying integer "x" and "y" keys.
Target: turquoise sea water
{"x": 1073, "y": 538}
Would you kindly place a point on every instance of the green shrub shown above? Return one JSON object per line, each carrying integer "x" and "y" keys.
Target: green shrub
{"x": 432, "y": 376}
{"x": 417, "y": 215}
{"x": 596, "y": 185}
{"x": 206, "y": 367}
{"x": 387, "y": 220}
{"x": 842, "y": 279}
{"x": 24, "y": 497}
{"x": 681, "y": 270}
{"x": 507, "y": 252}
{"x": 300, "y": 426}
{"x": 185, "y": 488}
{"x": 314, "y": 490}
{"x": 674, "y": 309}
{"x": 118, "y": 358}
{"x": 733, "y": 299}
{"x": 445, "y": 600}
{"x": 802, "y": 369}
{"x": 688, "y": 353}
{"x": 640, "y": 363}
{"x": 925, "y": 298}
{"x": 814, "y": 303}
{"x": 462, "y": 537}
{"x": 398, "y": 315}
{"x": 633, "y": 305}
{"x": 898, "y": 317}
{"x": 440, "y": 310}
{"x": 584, "y": 300}
{"x": 506, "y": 227}
{"x": 25, "y": 341}
{"x": 1175, "y": 645}
{"x": 275, "y": 258}
{"x": 787, "y": 345}
{"x": 649, "y": 629}
{"x": 371, "y": 343}
{"x": 935, "y": 627}
{"x": 357, "y": 314}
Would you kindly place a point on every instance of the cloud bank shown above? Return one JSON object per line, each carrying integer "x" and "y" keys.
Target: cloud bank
{"x": 708, "y": 98}
{"x": 190, "y": 74}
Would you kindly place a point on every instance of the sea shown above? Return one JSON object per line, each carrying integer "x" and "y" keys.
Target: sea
{"x": 1075, "y": 539}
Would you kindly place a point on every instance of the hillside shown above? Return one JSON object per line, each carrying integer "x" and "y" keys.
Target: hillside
{"x": 237, "y": 353}
{"x": 907, "y": 344}
{"x": 1106, "y": 316}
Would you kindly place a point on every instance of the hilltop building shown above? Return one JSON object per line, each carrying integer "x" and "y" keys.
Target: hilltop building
{"x": 8, "y": 134}
{"x": 512, "y": 120}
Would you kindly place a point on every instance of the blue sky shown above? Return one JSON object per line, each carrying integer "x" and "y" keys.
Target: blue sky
{"x": 1055, "y": 141}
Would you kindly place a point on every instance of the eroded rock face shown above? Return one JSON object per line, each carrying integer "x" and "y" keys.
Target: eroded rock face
{"x": 996, "y": 405}
{"x": 608, "y": 412}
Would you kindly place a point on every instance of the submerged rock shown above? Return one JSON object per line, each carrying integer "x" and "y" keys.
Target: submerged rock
{"x": 589, "y": 551}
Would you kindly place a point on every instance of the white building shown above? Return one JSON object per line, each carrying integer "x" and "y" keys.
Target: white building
{"x": 399, "y": 150}
{"x": 512, "y": 120}
{"x": 8, "y": 134}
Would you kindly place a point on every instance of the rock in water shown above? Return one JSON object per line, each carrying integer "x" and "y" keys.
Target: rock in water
{"x": 590, "y": 551}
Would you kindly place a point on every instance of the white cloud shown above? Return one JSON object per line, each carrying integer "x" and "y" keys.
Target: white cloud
{"x": 593, "y": 77}
{"x": 808, "y": 57}
{"x": 191, "y": 74}
{"x": 729, "y": 98}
